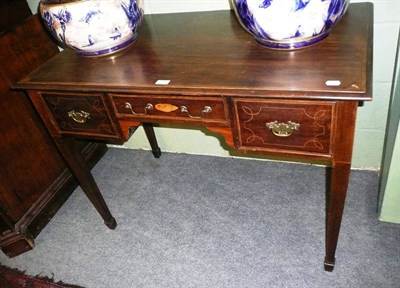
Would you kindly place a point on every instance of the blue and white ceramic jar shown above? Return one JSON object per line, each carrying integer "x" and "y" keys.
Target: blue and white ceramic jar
{"x": 289, "y": 24}
{"x": 93, "y": 27}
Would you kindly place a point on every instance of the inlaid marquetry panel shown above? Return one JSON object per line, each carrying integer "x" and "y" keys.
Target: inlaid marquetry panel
{"x": 80, "y": 114}
{"x": 300, "y": 127}
{"x": 154, "y": 108}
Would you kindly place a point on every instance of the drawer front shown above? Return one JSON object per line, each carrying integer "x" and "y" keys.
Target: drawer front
{"x": 171, "y": 108}
{"x": 80, "y": 114}
{"x": 303, "y": 127}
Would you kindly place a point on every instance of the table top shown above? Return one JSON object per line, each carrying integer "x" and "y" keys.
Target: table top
{"x": 209, "y": 53}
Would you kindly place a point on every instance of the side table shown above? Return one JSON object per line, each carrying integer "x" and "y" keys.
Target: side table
{"x": 203, "y": 69}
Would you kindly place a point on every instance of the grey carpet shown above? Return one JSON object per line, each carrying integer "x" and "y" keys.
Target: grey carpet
{"x": 199, "y": 221}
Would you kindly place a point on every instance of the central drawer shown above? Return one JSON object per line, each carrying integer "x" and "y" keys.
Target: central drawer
{"x": 170, "y": 108}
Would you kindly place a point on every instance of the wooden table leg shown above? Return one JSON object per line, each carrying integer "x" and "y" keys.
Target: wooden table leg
{"x": 336, "y": 196}
{"x": 82, "y": 173}
{"x": 151, "y": 136}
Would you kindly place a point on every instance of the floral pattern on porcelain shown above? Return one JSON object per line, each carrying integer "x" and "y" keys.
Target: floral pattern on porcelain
{"x": 94, "y": 27}
{"x": 289, "y": 24}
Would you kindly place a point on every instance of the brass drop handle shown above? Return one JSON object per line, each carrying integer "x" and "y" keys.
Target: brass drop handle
{"x": 282, "y": 129}
{"x": 79, "y": 116}
{"x": 147, "y": 108}
{"x": 205, "y": 110}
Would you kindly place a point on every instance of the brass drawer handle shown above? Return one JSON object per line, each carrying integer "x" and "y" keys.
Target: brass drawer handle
{"x": 282, "y": 129}
{"x": 206, "y": 110}
{"x": 147, "y": 108}
{"x": 80, "y": 116}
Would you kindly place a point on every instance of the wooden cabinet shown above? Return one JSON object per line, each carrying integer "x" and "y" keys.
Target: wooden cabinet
{"x": 34, "y": 179}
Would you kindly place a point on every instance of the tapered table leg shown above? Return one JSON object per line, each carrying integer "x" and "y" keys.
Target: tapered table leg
{"x": 336, "y": 196}
{"x": 82, "y": 173}
{"x": 151, "y": 136}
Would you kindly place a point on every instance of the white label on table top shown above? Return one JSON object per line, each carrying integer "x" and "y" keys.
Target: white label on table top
{"x": 333, "y": 83}
{"x": 163, "y": 82}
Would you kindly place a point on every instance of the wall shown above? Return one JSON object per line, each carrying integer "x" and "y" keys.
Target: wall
{"x": 371, "y": 122}
{"x": 390, "y": 209}
{"x": 389, "y": 188}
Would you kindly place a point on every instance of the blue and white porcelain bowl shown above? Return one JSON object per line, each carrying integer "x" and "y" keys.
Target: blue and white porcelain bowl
{"x": 289, "y": 24}
{"x": 93, "y": 27}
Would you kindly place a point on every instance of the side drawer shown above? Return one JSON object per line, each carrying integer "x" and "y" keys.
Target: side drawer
{"x": 171, "y": 108}
{"x": 285, "y": 127}
{"x": 80, "y": 114}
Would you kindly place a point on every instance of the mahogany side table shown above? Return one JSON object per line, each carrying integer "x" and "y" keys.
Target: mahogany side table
{"x": 203, "y": 69}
